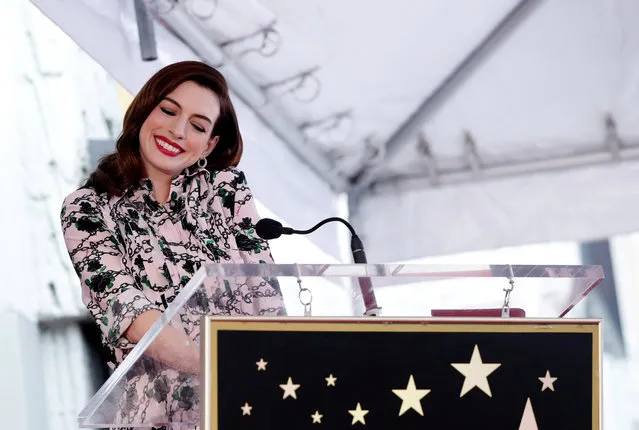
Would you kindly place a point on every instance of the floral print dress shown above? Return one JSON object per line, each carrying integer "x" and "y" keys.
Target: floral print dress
{"x": 133, "y": 254}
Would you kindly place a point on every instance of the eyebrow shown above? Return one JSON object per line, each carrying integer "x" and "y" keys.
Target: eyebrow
{"x": 204, "y": 117}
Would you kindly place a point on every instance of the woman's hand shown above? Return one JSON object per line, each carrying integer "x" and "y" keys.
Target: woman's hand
{"x": 171, "y": 347}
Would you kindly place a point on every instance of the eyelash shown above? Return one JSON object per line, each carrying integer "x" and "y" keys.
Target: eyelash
{"x": 171, "y": 113}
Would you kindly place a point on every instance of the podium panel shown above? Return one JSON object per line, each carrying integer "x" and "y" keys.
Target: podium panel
{"x": 148, "y": 390}
{"x": 401, "y": 373}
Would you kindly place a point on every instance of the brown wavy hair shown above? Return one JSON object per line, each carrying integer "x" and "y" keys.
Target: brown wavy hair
{"x": 124, "y": 167}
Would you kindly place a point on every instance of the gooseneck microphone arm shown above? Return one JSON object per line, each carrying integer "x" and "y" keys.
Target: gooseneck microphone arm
{"x": 325, "y": 221}
{"x": 267, "y": 228}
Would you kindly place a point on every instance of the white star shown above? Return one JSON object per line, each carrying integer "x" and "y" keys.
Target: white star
{"x": 317, "y": 418}
{"x": 330, "y": 381}
{"x": 411, "y": 397}
{"x": 548, "y": 381}
{"x": 289, "y": 388}
{"x": 246, "y": 409}
{"x": 358, "y": 414}
{"x": 476, "y": 373}
{"x": 261, "y": 365}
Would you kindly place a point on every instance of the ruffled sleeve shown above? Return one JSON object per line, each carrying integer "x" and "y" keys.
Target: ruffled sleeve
{"x": 241, "y": 215}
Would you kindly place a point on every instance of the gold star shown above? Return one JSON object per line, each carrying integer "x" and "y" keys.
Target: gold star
{"x": 246, "y": 409}
{"x": 289, "y": 388}
{"x": 548, "y": 381}
{"x": 411, "y": 397}
{"x": 476, "y": 373}
{"x": 317, "y": 418}
{"x": 358, "y": 414}
{"x": 330, "y": 381}
{"x": 261, "y": 365}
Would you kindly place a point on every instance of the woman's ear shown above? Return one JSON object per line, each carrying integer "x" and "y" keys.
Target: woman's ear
{"x": 210, "y": 146}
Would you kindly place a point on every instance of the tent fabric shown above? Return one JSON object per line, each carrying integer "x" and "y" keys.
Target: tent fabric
{"x": 554, "y": 108}
{"x": 401, "y": 223}
{"x": 550, "y": 105}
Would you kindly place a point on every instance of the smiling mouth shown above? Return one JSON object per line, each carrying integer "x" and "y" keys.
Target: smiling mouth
{"x": 167, "y": 147}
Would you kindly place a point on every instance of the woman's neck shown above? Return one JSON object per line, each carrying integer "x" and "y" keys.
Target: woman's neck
{"x": 161, "y": 187}
{"x": 161, "y": 192}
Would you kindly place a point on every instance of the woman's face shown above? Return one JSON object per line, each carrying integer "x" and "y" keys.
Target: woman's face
{"x": 177, "y": 133}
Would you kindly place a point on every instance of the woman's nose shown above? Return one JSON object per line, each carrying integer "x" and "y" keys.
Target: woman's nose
{"x": 178, "y": 128}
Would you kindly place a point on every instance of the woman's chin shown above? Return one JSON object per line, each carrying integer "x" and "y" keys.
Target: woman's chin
{"x": 169, "y": 170}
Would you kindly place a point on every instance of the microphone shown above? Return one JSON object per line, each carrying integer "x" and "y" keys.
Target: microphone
{"x": 268, "y": 229}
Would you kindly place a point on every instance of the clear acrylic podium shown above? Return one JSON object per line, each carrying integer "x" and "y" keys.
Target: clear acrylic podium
{"x": 143, "y": 392}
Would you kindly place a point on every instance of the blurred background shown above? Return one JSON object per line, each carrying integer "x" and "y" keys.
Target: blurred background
{"x": 460, "y": 131}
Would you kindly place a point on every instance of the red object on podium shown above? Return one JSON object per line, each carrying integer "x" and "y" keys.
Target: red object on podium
{"x": 491, "y": 313}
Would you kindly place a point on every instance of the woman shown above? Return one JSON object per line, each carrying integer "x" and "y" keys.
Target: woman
{"x": 166, "y": 202}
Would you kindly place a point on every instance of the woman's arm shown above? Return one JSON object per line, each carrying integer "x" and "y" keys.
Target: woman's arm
{"x": 171, "y": 347}
{"x": 109, "y": 291}
{"x": 241, "y": 217}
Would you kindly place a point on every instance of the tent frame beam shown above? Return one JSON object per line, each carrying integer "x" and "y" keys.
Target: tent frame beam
{"x": 604, "y": 154}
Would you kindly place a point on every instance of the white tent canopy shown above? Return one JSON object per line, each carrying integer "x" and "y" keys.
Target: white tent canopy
{"x": 452, "y": 126}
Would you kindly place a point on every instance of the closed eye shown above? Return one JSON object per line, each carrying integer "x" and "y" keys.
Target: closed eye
{"x": 167, "y": 111}
{"x": 198, "y": 128}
